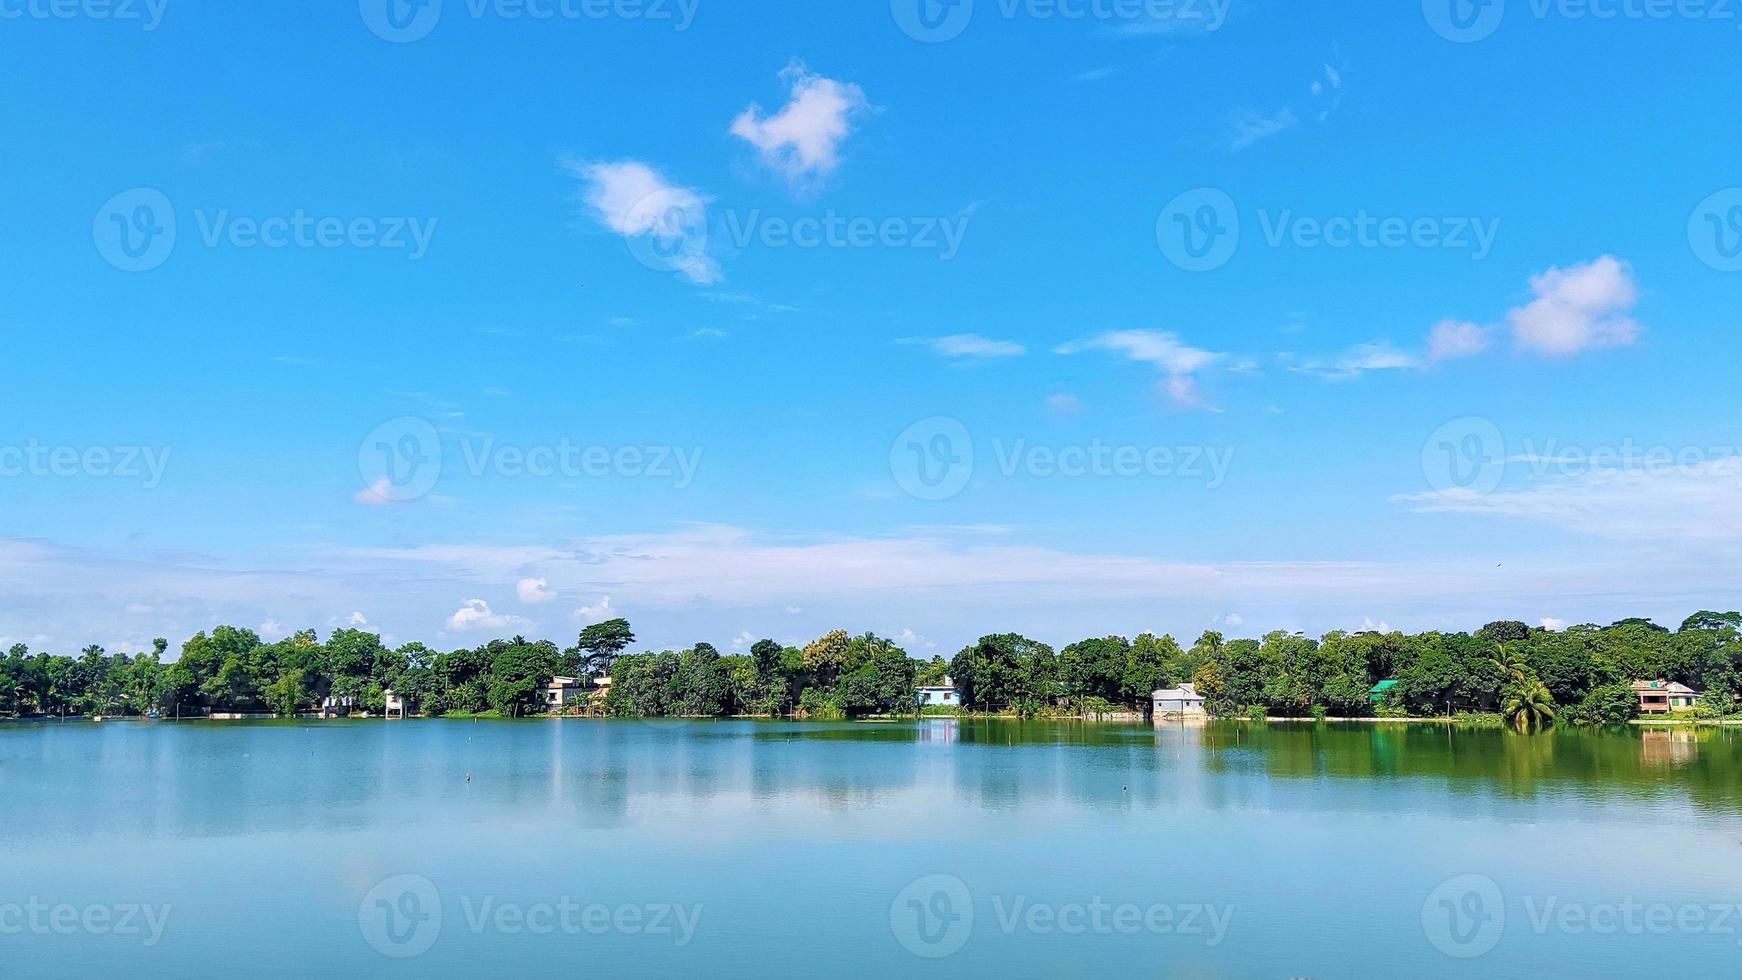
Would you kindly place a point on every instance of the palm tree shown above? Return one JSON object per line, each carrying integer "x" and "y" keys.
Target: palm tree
{"x": 1528, "y": 705}
{"x": 1512, "y": 664}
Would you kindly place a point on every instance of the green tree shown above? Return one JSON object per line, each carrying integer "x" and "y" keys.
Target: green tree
{"x": 1608, "y": 704}
{"x": 519, "y": 672}
{"x": 600, "y": 644}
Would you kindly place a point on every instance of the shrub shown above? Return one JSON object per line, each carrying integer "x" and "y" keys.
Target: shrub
{"x": 1607, "y": 704}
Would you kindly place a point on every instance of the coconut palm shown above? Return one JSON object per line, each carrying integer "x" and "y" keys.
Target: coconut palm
{"x": 1528, "y": 705}
{"x": 1512, "y": 664}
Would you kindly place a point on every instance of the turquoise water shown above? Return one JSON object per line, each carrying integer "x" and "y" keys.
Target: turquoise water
{"x": 970, "y": 849}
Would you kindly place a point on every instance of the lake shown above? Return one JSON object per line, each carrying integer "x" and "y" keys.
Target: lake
{"x": 976, "y": 848}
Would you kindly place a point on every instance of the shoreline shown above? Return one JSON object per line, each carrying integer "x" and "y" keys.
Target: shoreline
{"x": 1132, "y": 720}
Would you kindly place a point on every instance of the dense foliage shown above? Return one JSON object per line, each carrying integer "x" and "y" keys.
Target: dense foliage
{"x": 1532, "y": 676}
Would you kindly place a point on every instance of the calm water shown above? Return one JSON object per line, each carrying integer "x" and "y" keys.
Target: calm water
{"x": 972, "y": 849}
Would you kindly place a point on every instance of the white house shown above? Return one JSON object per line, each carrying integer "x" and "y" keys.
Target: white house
{"x": 564, "y": 691}
{"x": 1183, "y": 701}
{"x": 943, "y": 695}
{"x": 396, "y": 704}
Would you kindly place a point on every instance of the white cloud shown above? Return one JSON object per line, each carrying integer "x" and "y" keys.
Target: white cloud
{"x": 1553, "y": 625}
{"x": 1097, "y": 74}
{"x": 1233, "y": 620}
{"x": 1358, "y": 360}
{"x": 1250, "y": 127}
{"x": 1063, "y": 403}
{"x": 1326, "y": 94}
{"x": 1158, "y": 347}
{"x": 272, "y": 629}
{"x": 1451, "y": 339}
{"x": 357, "y": 619}
{"x": 950, "y": 585}
{"x": 1579, "y": 308}
{"x": 377, "y": 494}
{"x": 708, "y": 334}
{"x": 634, "y": 200}
{"x": 1177, "y": 361}
{"x": 1701, "y": 502}
{"x": 477, "y": 615}
{"x": 597, "y": 613}
{"x": 1369, "y": 626}
{"x": 803, "y": 140}
{"x": 743, "y": 639}
{"x": 534, "y": 591}
{"x": 969, "y": 345}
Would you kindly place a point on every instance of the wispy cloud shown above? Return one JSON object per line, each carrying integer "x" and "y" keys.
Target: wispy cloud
{"x": 636, "y": 201}
{"x": 1063, "y": 403}
{"x": 1697, "y": 502}
{"x": 1377, "y": 355}
{"x": 1096, "y": 74}
{"x": 968, "y": 346}
{"x": 1249, "y": 127}
{"x": 1178, "y": 362}
{"x": 1452, "y": 339}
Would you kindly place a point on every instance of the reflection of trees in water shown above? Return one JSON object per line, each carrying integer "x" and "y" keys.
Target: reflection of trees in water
{"x": 1703, "y": 766}
{"x": 221, "y": 780}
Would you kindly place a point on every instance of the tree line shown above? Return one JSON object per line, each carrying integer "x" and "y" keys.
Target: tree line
{"x": 1531, "y": 675}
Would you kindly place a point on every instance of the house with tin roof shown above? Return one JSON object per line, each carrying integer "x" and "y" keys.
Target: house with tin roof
{"x": 1183, "y": 701}
{"x": 1662, "y": 697}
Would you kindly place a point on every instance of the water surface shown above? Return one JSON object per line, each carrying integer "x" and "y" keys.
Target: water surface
{"x": 984, "y": 848}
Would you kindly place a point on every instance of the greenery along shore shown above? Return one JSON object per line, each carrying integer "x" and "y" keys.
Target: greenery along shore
{"x": 1532, "y": 675}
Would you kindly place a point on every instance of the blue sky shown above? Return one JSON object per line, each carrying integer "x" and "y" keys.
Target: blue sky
{"x": 529, "y": 236}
